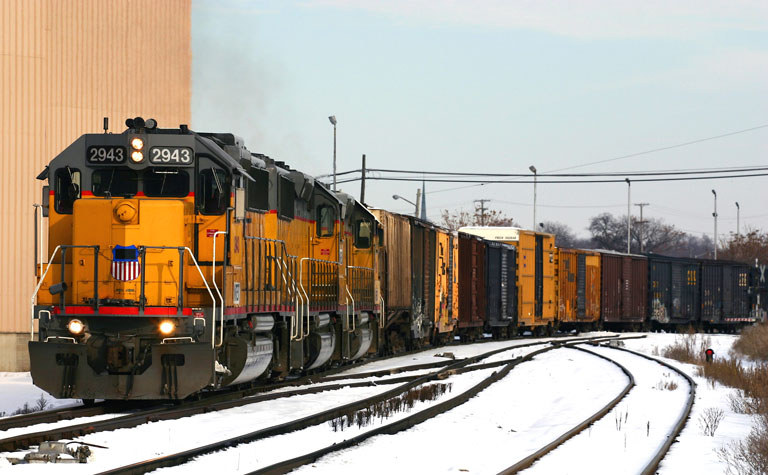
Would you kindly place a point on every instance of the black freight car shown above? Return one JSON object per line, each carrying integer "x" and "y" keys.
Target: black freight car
{"x": 501, "y": 288}
{"x": 673, "y": 290}
{"x": 725, "y": 293}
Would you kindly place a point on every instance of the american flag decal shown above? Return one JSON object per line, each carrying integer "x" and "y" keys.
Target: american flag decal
{"x": 125, "y": 263}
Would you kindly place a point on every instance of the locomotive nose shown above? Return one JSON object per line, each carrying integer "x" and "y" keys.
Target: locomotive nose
{"x": 125, "y": 212}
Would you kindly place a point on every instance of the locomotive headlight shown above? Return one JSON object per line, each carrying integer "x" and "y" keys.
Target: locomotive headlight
{"x": 167, "y": 327}
{"x": 137, "y": 156}
{"x": 137, "y": 143}
{"x": 75, "y": 326}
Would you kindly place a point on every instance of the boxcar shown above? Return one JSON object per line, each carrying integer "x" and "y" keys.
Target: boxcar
{"x": 578, "y": 288}
{"x": 725, "y": 293}
{"x": 535, "y": 273}
{"x": 673, "y": 290}
{"x": 472, "y": 304}
{"x": 501, "y": 287}
{"x": 446, "y": 283}
{"x": 623, "y": 299}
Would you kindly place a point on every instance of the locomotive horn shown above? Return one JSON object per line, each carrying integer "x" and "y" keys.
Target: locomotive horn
{"x": 59, "y": 288}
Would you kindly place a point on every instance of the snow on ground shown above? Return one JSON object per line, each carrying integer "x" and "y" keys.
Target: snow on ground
{"x": 537, "y": 402}
{"x": 631, "y": 434}
{"x": 156, "y": 438}
{"x": 17, "y": 389}
{"x": 534, "y": 404}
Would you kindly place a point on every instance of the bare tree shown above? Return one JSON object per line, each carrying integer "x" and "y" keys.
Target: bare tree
{"x": 745, "y": 247}
{"x": 564, "y": 236}
{"x": 479, "y": 217}
{"x": 610, "y": 232}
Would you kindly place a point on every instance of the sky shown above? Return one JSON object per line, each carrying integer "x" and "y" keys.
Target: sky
{"x": 496, "y": 86}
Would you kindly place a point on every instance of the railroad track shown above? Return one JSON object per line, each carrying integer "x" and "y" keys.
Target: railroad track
{"x": 408, "y": 383}
{"x": 319, "y": 383}
{"x": 650, "y": 465}
{"x": 110, "y": 407}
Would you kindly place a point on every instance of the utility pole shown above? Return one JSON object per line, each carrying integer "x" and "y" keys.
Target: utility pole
{"x": 714, "y": 215}
{"x": 629, "y": 222}
{"x": 362, "y": 184}
{"x": 642, "y": 224}
{"x": 738, "y": 211}
{"x": 418, "y": 201}
{"x": 482, "y": 211}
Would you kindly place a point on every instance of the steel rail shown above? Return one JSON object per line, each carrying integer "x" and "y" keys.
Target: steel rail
{"x": 531, "y": 459}
{"x": 653, "y": 464}
{"x": 179, "y": 458}
{"x": 402, "y": 424}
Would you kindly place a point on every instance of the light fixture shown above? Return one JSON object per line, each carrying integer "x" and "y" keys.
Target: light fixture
{"x": 167, "y": 327}
{"x": 137, "y": 143}
{"x": 137, "y": 156}
{"x": 75, "y": 326}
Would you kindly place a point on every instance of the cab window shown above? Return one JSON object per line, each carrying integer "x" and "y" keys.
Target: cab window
{"x": 363, "y": 234}
{"x": 114, "y": 181}
{"x": 170, "y": 182}
{"x": 258, "y": 190}
{"x": 67, "y": 189}
{"x": 326, "y": 218}
{"x": 286, "y": 197}
{"x": 212, "y": 191}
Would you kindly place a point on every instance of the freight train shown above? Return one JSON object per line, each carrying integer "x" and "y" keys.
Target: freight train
{"x": 181, "y": 261}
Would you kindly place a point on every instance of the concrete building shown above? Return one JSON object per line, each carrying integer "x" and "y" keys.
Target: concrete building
{"x": 64, "y": 66}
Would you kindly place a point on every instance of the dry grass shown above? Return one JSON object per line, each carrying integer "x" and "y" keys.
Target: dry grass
{"x": 688, "y": 348}
{"x": 753, "y": 342}
{"x": 384, "y": 409}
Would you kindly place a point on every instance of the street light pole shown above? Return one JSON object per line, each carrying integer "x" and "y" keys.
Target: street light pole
{"x": 629, "y": 225}
{"x": 416, "y": 212}
{"x": 535, "y": 176}
{"x": 737, "y": 218}
{"x": 333, "y": 121}
{"x": 715, "y": 216}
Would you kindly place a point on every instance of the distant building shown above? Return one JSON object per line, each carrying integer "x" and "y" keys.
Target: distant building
{"x": 64, "y": 66}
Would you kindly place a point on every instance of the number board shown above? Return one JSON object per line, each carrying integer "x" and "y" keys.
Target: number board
{"x": 173, "y": 156}
{"x": 106, "y": 154}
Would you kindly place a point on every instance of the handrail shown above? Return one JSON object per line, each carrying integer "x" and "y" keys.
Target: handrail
{"x": 221, "y": 297}
{"x": 303, "y": 290}
{"x": 383, "y": 313}
{"x": 39, "y": 236}
{"x": 346, "y": 287}
{"x": 213, "y": 299}
{"x": 37, "y": 289}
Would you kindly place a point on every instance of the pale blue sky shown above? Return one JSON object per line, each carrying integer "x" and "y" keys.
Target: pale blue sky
{"x": 496, "y": 86}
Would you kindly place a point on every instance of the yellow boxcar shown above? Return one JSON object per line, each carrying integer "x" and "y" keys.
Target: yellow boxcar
{"x": 446, "y": 283}
{"x": 578, "y": 288}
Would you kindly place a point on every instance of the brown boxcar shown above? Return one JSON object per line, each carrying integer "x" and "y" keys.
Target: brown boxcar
{"x": 418, "y": 277}
{"x": 578, "y": 289}
{"x": 472, "y": 304}
{"x": 625, "y": 288}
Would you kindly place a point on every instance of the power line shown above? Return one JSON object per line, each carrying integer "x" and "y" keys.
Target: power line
{"x": 669, "y": 147}
{"x": 566, "y": 175}
{"x": 484, "y": 182}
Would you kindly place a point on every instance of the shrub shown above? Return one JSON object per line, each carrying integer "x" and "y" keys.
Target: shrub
{"x": 710, "y": 420}
{"x": 753, "y": 342}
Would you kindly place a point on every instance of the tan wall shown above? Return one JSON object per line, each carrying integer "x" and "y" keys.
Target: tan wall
{"x": 64, "y": 65}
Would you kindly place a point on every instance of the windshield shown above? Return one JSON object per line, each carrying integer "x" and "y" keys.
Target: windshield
{"x": 166, "y": 182}
{"x": 114, "y": 181}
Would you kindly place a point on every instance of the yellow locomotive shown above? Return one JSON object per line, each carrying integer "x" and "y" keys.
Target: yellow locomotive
{"x": 181, "y": 260}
